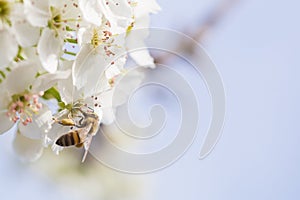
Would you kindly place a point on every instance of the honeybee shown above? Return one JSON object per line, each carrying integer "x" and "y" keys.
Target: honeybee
{"x": 86, "y": 125}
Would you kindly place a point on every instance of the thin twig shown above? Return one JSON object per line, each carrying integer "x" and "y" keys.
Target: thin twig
{"x": 211, "y": 21}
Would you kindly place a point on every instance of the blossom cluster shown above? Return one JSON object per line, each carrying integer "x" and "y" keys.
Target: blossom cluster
{"x": 56, "y": 53}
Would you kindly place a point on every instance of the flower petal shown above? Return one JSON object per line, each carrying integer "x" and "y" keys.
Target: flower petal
{"x": 4, "y": 97}
{"x": 27, "y": 149}
{"x": 67, "y": 90}
{"x": 24, "y": 73}
{"x": 126, "y": 85}
{"x": 136, "y": 45}
{"x": 118, "y": 12}
{"x": 36, "y": 129}
{"x": 8, "y": 48}
{"x": 37, "y": 12}
{"x": 88, "y": 69}
{"x": 46, "y": 81}
{"x": 91, "y": 11}
{"x": 26, "y": 34}
{"x": 6, "y": 123}
{"x": 108, "y": 116}
{"x": 145, "y": 7}
{"x": 143, "y": 58}
{"x": 116, "y": 68}
{"x": 135, "y": 39}
{"x": 49, "y": 48}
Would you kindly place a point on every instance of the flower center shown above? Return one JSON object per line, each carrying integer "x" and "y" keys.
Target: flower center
{"x": 56, "y": 20}
{"x": 4, "y": 10}
{"x": 62, "y": 20}
{"x": 24, "y": 106}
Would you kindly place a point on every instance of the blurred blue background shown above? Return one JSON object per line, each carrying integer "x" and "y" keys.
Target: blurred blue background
{"x": 255, "y": 47}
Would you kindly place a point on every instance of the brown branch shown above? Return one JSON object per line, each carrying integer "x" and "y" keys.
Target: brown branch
{"x": 211, "y": 21}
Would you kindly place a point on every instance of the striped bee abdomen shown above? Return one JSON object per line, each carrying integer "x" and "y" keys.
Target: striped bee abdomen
{"x": 70, "y": 139}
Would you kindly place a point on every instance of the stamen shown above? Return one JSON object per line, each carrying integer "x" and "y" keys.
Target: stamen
{"x": 24, "y": 106}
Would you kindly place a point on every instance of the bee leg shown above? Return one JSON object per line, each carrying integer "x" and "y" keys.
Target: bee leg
{"x": 91, "y": 109}
{"x": 66, "y": 122}
{"x": 80, "y": 121}
{"x": 81, "y": 125}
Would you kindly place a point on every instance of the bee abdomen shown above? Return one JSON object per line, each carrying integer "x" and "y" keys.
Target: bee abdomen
{"x": 69, "y": 139}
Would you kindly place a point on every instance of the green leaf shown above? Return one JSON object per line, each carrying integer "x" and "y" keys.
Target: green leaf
{"x": 62, "y": 105}
{"x": 52, "y": 93}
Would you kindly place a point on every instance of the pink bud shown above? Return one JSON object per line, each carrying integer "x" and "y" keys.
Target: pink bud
{"x": 20, "y": 104}
{"x": 39, "y": 105}
{"x": 13, "y": 106}
{"x": 27, "y": 97}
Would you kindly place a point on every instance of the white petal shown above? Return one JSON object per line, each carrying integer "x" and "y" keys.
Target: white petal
{"x": 145, "y": 7}
{"x": 118, "y": 8}
{"x": 67, "y": 90}
{"x": 57, "y": 3}
{"x": 88, "y": 69}
{"x": 20, "y": 78}
{"x": 105, "y": 99}
{"x": 112, "y": 71}
{"x": 4, "y": 97}
{"x": 30, "y": 53}
{"x": 8, "y": 48}
{"x": 108, "y": 116}
{"x": 81, "y": 36}
{"x": 37, "y": 12}
{"x": 6, "y": 124}
{"x": 99, "y": 112}
{"x": 31, "y": 131}
{"x": 135, "y": 39}
{"x": 135, "y": 43}
{"x": 49, "y": 48}
{"x": 143, "y": 58}
{"x": 26, "y": 34}
{"x": 36, "y": 129}
{"x": 118, "y": 12}
{"x": 126, "y": 85}
{"x": 46, "y": 81}
{"x": 91, "y": 11}
{"x": 27, "y": 149}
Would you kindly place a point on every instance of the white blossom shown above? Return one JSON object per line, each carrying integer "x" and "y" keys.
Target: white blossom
{"x": 117, "y": 12}
{"x": 8, "y": 47}
{"x": 58, "y": 19}
{"x": 57, "y": 53}
{"x": 138, "y": 31}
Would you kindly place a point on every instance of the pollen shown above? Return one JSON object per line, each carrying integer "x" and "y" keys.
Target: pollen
{"x": 23, "y": 106}
{"x": 95, "y": 41}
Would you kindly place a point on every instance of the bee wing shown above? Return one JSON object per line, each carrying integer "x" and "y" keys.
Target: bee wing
{"x": 83, "y": 132}
{"x": 86, "y": 138}
{"x": 86, "y": 144}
